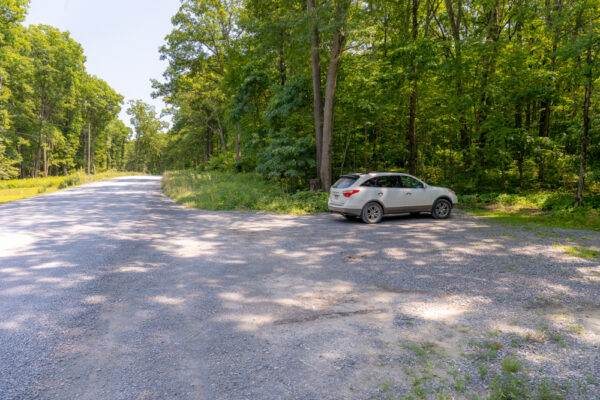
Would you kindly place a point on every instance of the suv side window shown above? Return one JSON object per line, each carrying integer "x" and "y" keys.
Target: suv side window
{"x": 410, "y": 183}
{"x": 371, "y": 183}
{"x": 382, "y": 182}
{"x": 388, "y": 181}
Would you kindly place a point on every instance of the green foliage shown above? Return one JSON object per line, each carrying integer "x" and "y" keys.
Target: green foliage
{"x": 498, "y": 101}
{"x": 541, "y": 207}
{"x": 497, "y": 92}
{"x": 483, "y": 371}
{"x": 16, "y": 189}
{"x": 7, "y": 166}
{"x": 54, "y": 116}
{"x": 546, "y": 391}
{"x": 510, "y": 364}
{"x": 581, "y": 252}
{"x": 221, "y": 162}
{"x": 509, "y": 387}
{"x": 149, "y": 140}
{"x": 238, "y": 191}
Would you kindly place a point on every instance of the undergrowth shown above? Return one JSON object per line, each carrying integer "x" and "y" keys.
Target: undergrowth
{"x": 239, "y": 191}
{"x": 545, "y": 208}
{"x": 221, "y": 190}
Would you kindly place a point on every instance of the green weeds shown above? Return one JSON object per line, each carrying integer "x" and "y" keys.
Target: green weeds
{"x": 513, "y": 384}
{"x": 510, "y": 364}
{"x": 543, "y": 208}
{"x": 16, "y": 189}
{"x": 238, "y": 191}
{"x": 580, "y": 252}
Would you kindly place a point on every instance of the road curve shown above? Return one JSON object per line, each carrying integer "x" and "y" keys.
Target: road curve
{"x": 112, "y": 291}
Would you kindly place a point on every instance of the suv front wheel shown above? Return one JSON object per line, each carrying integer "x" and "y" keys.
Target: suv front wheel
{"x": 372, "y": 213}
{"x": 441, "y": 209}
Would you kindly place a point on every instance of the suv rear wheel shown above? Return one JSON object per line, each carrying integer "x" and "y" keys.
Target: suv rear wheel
{"x": 441, "y": 209}
{"x": 372, "y": 213}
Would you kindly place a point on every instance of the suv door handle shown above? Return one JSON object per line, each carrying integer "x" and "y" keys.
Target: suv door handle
{"x": 409, "y": 193}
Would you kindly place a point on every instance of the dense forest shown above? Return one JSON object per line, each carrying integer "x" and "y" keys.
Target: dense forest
{"x": 54, "y": 116}
{"x": 477, "y": 94}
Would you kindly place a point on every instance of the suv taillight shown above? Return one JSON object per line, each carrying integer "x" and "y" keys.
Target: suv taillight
{"x": 348, "y": 193}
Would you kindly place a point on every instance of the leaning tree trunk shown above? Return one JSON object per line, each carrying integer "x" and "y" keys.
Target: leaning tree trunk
{"x": 412, "y": 124}
{"x": 337, "y": 47}
{"x": 317, "y": 90}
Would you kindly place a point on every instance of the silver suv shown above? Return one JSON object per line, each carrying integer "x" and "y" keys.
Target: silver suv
{"x": 370, "y": 196}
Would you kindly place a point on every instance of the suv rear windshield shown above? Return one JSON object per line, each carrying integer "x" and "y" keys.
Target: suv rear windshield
{"x": 345, "y": 182}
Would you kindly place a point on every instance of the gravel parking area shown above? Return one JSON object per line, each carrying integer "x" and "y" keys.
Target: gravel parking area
{"x": 112, "y": 291}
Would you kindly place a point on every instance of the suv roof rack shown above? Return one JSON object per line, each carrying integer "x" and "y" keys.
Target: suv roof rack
{"x": 373, "y": 172}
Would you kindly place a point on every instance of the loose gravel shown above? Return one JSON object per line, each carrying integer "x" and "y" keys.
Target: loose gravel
{"x": 112, "y": 291}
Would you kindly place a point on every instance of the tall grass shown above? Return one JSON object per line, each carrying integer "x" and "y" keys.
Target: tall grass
{"x": 545, "y": 208}
{"x": 16, "y": 189}
{"x": 247, "y": 191}
{"x": 238, "y": 191}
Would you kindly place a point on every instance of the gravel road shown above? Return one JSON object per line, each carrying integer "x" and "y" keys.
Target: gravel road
{"x": 112, "y": 291}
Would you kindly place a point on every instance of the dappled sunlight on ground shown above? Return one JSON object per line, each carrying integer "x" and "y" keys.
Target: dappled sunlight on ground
{"x": 435, "y": 311}
{"x": 127, "y": 286}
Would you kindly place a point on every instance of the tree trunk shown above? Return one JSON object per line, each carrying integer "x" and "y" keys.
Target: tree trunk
{"x": 586, "y": 129}
{"x": 121, "y": 164}
{"x": 93, "y": 157}
{"x": 412, "y": 129}
{"x": 520, "y": 165}
{"x": 337, "y": 47}
{"x": 544, "y": 128}
{"x": 546, "y": 105}
{"x": 45, "y": 151}
{"x": 238, "y": 153}
{"x": 489, "y": 69}
{"x": 317, "y": 90}
{"x": 345, "y": 151}
{"x": 36, "y": 164}
{"x": 221, "y": 134}
{"x": 205, "y": 148}
{"x": 412, "y": 123}
{"x": 89, "y": 146}
{"x": 455, "y": 22}
{"x": 281, "y": 63}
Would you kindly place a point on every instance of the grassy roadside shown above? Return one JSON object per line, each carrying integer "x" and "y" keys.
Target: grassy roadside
{"x": 238, "y": 191}
{"x": 16, "y": 189}
{"x": 543, "y": 208}
{"x": 244, "y": 191}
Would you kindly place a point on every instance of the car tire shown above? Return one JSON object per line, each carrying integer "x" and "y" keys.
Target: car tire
{"x": 372, "y": 213}
{"x": 441, "y": 209}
